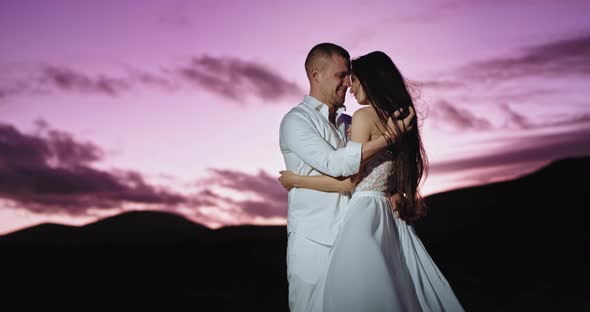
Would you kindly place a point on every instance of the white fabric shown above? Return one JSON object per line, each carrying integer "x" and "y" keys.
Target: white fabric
{"x": 378, "y": 262}
{"x": 306, "y": 270}
{"x": 367, "y": 271}
{"x": 311, "y": 145}
{"x": 432, "y": 288}
{"x": 376, "y": 174}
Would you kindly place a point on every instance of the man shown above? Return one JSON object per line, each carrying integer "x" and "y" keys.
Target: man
{"x": 313, "y": 141}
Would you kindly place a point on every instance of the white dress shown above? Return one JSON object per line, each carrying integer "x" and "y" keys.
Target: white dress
{"x": 378, "y": 263}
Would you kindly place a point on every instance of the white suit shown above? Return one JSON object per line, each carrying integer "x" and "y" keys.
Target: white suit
{"x": 311, "y": 145}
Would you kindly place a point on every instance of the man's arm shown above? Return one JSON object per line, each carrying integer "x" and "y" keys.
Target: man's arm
{"x": 299, "y": 136}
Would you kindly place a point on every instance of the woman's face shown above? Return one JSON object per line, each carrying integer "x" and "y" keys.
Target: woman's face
{"x": 357, "y": 90}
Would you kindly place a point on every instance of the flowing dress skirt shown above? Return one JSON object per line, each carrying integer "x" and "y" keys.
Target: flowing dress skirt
{"x": 378, "y": 263}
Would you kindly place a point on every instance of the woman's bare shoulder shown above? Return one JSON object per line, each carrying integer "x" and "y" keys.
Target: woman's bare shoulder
{"x": 367, "y": 113}
{"x": 364, "y": 112}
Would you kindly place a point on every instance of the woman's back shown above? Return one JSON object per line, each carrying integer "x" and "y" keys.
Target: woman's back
{"x": 377, "y": 173}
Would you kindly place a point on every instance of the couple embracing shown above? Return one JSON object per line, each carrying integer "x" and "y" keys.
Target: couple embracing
{"x": 348, "y": 249}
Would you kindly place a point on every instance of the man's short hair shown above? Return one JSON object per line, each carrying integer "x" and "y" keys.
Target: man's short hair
{"x": 325, "y": 49}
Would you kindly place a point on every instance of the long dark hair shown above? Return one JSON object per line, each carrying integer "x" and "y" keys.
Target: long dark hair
{"x": 386, "y": 90}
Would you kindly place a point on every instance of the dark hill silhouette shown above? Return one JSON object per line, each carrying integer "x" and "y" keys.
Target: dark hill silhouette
{"x": 41, "y": 232}
{"x": 550, "y": 194}
{"x": 515, "y": 245}
{"x": 128, "y": 227}
{"x": 144, "y": 226}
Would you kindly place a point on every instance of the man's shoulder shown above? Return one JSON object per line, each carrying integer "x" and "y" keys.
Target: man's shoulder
{"x": 299, "y": 111}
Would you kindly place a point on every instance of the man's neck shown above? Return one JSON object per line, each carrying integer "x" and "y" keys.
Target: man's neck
{"x": 331, "y": 107}
{"x": 332, "y": 115}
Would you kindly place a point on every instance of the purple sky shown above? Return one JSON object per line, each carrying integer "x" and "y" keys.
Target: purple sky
{"x": 108, "y": 106}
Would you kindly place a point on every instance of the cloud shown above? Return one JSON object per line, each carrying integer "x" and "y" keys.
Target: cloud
{"x": 515, "y": 118}
{"x": 529, "y": 149}
{"x": 438, "y": 84}
{"x": 235, "y": 79}
{"x": 49, "y": 79}
{"x": 567, "y": 57}
{"x": 162, "y": 80}
{"x": 258, "y": 184}
{"x": 266, "y": 196}
{"x": 456, "y": 5}
{"x": 231, "y": 78}
{"x": 447, "y": 115}
{"x": 70, "y": 80}
{"x": 51, "y": 173}
{"x": 520, "y": 78}
{"x": 267, "y": 209}
{"x": 17, "y": 88}
{"x": 570, "y": 120}
{"x": 511, "y": 96}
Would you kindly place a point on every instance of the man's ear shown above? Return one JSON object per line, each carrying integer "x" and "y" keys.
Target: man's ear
{"x": 315, "y": 75}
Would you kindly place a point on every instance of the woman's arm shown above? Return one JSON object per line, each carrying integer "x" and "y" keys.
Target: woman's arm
{"x": 322, "y": 183}
{"x": 371, "y": 148}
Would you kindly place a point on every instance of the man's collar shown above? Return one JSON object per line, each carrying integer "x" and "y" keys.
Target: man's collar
{"x": 321, "y": 107}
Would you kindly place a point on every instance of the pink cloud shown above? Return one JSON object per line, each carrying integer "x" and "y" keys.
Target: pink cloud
{"x": 269, "y": 198}
{"x": 536, "y": 148}
{"x": 228, "y": 77}
{"x": 557, "y": 59}
{"x": 70, "y": 80}
{"x": 448, "y": 115}
{"x": 234, "y": 78}
{"x": 440, "y": 84}
{"x": 515, "y": 118}
{"x": 51, "y": 173}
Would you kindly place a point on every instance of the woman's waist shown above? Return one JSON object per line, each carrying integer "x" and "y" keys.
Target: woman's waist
{"x": 362, "y": 193}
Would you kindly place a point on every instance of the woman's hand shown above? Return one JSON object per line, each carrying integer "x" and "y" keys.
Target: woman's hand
{"x": 287, "y": 179}
{"x": 404, "y": 125}
{"x": 394, "y": 200}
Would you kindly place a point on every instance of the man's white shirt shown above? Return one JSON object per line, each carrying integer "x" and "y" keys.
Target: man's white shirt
{"x": 311, "y": 145}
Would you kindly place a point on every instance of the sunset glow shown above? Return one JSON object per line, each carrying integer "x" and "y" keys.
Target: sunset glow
{"x": 109, "y": 106}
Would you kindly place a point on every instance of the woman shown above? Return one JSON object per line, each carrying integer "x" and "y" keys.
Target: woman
{"x": 378, "y": 263}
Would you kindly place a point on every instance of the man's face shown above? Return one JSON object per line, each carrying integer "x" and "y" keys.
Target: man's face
{"x": 335, "y": 80}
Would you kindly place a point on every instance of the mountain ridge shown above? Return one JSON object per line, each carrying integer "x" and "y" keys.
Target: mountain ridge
{"x": 139, "y": 225}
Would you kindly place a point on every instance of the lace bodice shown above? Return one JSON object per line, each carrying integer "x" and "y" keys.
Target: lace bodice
{"x": 376, "y": 174}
